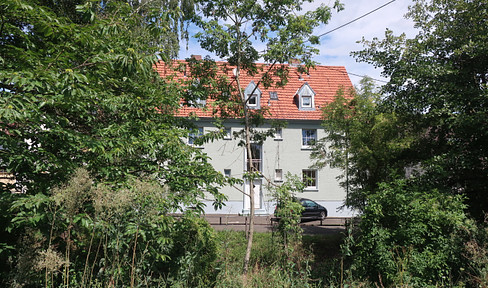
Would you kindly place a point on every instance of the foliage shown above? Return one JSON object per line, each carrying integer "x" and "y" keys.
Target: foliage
{"x": 288, "y": 212}
{"x": 364, "y": 141}
{"x": 476, "y": 254}
{"x": 412, "y": 234}
{"x": 86, "y": 94}
{"x": 267, "y": 267}
{"x": 438, "y": 84}
{"x": 193, "y": 253}
{"x": 82, "y": 235}
{"x": 78, "y": 89}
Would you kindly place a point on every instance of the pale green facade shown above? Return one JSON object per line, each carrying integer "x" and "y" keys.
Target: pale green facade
{"x": 279, "y": 155}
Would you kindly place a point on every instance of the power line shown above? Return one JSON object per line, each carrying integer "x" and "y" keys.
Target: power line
{"x": 352, "y": 21}
{"x": 362, "y": 76}
{"x": 357, "y": 75}
{"x": 356, "y": 19}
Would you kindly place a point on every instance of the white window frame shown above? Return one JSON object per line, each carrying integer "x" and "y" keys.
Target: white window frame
{"x": 310, "y": 101}
{"x": 253, "y": 92}
{"x": 306, "y": 138}
{"x": 306, "y": 93}
{"x": 278, "y": 177}
{"x": 253, "y": 98}
{"x": 228, "y": 133}
{"x": 259, "y": 160}
{"x": 273, "y": 95}
{"x": 278, "y": 135}
{"x": 228, "y": 173}
{"x": 192, "y": 136}
{"x": 310, "y": 178}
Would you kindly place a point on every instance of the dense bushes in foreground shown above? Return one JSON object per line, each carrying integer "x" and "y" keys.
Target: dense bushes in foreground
{"x": 86, "y": 235}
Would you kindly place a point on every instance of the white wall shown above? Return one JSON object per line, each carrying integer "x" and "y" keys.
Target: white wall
{"x": 286, "y": 154}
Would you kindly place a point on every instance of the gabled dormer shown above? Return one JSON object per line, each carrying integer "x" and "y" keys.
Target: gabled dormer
{"x": 306, "y": 98}
{"x": 194, "y": 100}
{"x": 253, "y": 96}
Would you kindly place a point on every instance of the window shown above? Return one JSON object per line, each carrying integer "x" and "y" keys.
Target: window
{"x": 306, "y": 98}
{"x": 278, "y": 135}
{"x": 256, "y": 158}
{"x": 228, "y": 133}
{"x": 194, "y": 99}
{"x": 194, "y": 135}
{"x": 273, "y": 95}
{"x": 227, "y": 173}
{"x": 197, "y": 103}
{"x": 306, "y": 101}
{"x": 310, "y": 179}
{"x": 253, "y": 100}
{"x": 278, "y": 175}
{"x": 253, "y": 95}
{"x": 309, "y": 137}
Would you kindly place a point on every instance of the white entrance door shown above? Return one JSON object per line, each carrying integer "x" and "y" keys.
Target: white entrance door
{"x": 257, "y": 194}
{"x": 257, "y": 156}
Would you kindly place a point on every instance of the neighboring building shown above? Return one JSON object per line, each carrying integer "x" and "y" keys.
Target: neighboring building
{"x": 299, "y": 103}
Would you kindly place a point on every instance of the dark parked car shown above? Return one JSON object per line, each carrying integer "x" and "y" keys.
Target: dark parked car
{"x": 311, "y": 210}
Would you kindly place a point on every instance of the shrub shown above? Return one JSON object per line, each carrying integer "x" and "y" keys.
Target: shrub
{"x": 86, "y": 235}
{"x": 193, "y": 253}
{"x": 411, "y": 235}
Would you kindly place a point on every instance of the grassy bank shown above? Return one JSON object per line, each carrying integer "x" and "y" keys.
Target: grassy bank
{"x": 312, "y": 264}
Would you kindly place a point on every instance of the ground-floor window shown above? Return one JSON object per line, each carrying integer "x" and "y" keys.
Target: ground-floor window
{"x": 309, "y": 177}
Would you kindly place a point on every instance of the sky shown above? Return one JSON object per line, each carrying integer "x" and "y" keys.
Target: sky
{"x": 335, "y": 48}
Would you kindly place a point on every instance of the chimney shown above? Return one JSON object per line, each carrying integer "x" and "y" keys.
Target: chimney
{"x": 196, "y": 57}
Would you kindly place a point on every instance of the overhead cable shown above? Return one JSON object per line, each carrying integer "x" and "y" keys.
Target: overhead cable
{"x": 356, "y": 19}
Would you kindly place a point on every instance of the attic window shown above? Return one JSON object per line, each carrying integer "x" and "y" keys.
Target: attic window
{"x": 253, "y": 96}
{"x": 253, "y": 101}
{"x": 194, "y": 99}
{"x": 306, "y": 98}
{"x": 273, "y": 95}
{"x": 306, "y": 101}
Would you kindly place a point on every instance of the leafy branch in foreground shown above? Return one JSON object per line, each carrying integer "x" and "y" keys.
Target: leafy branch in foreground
{"x": 284, "y": 31}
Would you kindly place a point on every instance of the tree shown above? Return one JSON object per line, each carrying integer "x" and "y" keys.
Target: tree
{"x": 78, "y": 89}
{"x": 438, "y": 84}
{"x": 87, "y": 95}
{"x": 413, "y": 234}
{"x": 283, "y": 30}
{"x": 364, "y": 141}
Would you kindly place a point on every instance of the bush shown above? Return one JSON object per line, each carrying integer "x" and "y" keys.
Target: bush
{"x": 86, "y": 235}
{"x": 193, "y": 253}
{"x": 412, "y": 235}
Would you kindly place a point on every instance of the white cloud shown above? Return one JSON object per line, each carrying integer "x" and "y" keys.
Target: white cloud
{"x": 336, "y": 47}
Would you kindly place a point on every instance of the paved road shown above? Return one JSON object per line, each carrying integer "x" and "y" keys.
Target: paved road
{"x": 330, "y": 225}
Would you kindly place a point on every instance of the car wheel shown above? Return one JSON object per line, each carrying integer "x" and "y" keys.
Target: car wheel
{"x": 322, "y": 215}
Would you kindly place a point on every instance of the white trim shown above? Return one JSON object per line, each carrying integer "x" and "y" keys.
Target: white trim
{"x": 306, "y": 146}
{"x": 315, "y": 179}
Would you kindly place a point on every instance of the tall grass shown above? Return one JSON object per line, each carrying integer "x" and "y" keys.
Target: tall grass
{"x": 308, "y": 267}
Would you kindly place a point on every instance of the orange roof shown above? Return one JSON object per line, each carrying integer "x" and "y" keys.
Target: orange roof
{"x": 325, "y": 81}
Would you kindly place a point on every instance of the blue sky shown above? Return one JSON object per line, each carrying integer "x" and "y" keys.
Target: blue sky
{"x": 335, "y": 48}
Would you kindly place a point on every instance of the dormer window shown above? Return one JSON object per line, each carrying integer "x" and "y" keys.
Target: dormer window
{"x": 194, "y": 99}
{"x": 306, "y": 98}
{"x": 253, "y": 101}
{"x": 253, "y": 96}
{"x": 306, "y": 101}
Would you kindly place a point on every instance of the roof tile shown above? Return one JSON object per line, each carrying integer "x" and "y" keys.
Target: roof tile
{"x": 325, "y": 81}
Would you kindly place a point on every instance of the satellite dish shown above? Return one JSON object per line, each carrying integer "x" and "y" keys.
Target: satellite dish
{"x": 234, "y": 72}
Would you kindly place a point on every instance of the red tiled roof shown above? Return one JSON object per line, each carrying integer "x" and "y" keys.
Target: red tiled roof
{"x": 324, "y": 80}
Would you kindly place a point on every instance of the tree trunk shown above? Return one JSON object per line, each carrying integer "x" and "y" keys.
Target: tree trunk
{"x": 250, "y": 232}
